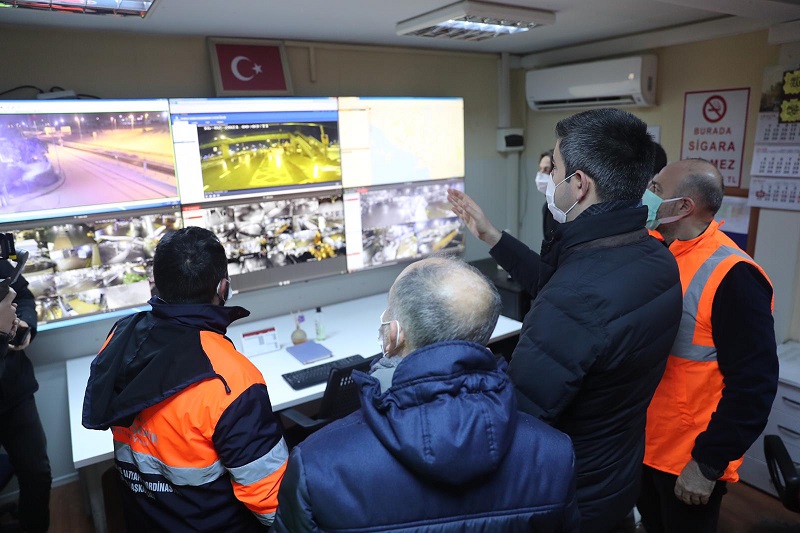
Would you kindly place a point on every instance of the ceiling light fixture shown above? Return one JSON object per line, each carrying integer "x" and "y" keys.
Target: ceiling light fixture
{"x": 86, "y": 7}
{"x": 472, "y": 20}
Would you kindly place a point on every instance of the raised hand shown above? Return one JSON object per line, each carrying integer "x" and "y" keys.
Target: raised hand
{"x": 473, "y": 217}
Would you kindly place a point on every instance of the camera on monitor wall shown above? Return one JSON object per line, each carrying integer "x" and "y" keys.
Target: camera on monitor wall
{"x": 7, "y": 251}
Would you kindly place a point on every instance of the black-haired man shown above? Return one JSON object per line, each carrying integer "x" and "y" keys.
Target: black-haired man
{"x": 607, "y": 305}
{"x": 195, "y": 440}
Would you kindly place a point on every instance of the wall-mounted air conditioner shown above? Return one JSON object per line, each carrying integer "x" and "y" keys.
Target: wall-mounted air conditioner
{"x": 627, "y": 81}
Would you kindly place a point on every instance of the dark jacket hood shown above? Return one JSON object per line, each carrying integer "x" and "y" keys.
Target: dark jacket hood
{"x": 151, "y": 356}
{"x": 449, "y": 415}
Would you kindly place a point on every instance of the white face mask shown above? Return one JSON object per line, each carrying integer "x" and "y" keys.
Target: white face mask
{"x": 559, "y": 215}
{"x": 542, "y": 179}
{"x": 380, "y": 334}
{"x": 228, "y": 291}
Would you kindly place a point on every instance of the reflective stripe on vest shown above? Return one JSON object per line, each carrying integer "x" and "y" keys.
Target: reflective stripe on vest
{"x": 262, "y": 467}
{"x": 684, "y": 345}
{"x": 181, "y": 476}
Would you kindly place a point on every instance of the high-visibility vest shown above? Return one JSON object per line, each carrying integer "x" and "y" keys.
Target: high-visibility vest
{"x": 692, "y": 383}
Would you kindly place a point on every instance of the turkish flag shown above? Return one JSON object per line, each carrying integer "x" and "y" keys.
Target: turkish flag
{"x": 250, "y": 67}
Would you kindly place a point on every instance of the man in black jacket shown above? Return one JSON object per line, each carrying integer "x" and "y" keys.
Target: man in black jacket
{"x": 21, "y": 432}
{"x": 607, "y": 305}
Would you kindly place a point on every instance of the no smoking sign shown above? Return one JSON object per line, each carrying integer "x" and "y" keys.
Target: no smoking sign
{"x": 714, "y": 108}
{"x": 714, "y": 124}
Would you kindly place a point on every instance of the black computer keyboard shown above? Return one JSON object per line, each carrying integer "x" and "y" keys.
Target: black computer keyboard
{"x": 307, "y": 377}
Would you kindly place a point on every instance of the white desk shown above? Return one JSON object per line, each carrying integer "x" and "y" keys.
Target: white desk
{"x": 351, "y": 328}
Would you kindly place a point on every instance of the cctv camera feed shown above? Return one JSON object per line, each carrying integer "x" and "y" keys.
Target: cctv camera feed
{"x": 249, "y": 147}
{"x": 277, "y": 240}
{"x": 92, "y": 265}
{"x": 391, "y": 224}
{"x": 400, "y": 140}
{"x": 64, "y": 158}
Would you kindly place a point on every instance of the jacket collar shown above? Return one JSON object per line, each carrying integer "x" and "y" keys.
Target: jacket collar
{"x": 603, "y": 224}
{"x": 449, "y": 415}
{"x": 210, "y": 317}
{"x": 585, "y": 229}
{"x": 678, "y": 247}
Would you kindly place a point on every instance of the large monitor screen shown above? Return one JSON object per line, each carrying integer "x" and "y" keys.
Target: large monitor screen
{"x": 277, "y": 240}
{"x": 388, "y": 224}
{"x": 399, "y": 140}
{"x": 238, "y": 148}
{"x": 75, "y": 157}
{"x": 90, "y": 265}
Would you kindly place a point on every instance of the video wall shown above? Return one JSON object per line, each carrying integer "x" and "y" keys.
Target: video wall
{"x": 295, "y": 189}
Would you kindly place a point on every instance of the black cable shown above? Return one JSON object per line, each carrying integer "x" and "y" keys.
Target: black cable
{"x": 21, "y": 87}
{"x": 55, "y": 88}
{"x": 80, "y": 95}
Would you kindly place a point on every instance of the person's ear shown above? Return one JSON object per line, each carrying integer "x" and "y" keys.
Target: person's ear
{"x": 581, "y": 185}
{"x": 400, "y": 335}
{"x": 224, "y": 290}
{"x": 687, "y": 206}
{"x": 395, "y": 337}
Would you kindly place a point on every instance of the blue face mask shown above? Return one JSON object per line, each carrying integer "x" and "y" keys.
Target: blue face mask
{"x": 653, "y": 202}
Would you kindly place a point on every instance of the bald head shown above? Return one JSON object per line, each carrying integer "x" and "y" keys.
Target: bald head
{"x": 443, "y": 299}
{"x": 696, "y": 179}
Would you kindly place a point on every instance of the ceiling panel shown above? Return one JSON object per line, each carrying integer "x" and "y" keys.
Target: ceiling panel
{"x": 373, "y": 21}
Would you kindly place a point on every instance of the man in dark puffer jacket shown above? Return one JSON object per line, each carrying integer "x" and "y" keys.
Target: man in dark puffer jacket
{"x": 607, "y": 305}
{"x": 438, "y": 444}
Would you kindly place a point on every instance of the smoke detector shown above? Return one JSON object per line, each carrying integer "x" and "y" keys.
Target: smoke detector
{"x": 471, "y": 20}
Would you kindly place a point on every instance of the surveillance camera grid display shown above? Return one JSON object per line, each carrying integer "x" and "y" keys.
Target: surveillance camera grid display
{"x": 264, "y": 174}
{"x": 260, "y": 157}
{"x": 92, "y": 266}
{"x": 404, "y": 223}
{"x": 58, "y": 164}
{"x": 278, "y": 240}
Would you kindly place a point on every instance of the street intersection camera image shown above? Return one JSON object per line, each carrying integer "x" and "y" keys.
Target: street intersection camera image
{"x": 240, "y": 157}
{"x": 92, "y": 267}
{"x": 55, "y": 161}
{"x": 409, "y": 221}
{"x": 278, "y": 233}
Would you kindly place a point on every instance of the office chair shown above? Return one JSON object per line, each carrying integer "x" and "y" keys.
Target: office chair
{"x": 339, "y": 400}
{"x": 783, "y": 472}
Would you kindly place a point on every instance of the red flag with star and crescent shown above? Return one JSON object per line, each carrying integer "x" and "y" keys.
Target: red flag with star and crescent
{"x": 248, "y": 67}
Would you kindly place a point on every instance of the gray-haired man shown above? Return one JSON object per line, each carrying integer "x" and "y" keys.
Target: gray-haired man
{"x": 438, "y": 443}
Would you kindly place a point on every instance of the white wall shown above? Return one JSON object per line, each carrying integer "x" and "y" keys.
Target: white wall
{"x": 122, "y": 65}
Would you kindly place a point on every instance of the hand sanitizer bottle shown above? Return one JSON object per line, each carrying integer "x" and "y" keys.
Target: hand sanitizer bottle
{"x": 319, "y": 327}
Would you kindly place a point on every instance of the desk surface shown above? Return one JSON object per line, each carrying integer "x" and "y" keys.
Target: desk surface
{"x": 351, "y": 328}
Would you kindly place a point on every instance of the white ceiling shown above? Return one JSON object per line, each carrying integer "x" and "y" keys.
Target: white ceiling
{"x": 373, "y": 21}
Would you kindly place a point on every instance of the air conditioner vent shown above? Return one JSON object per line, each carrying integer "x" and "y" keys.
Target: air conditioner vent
{"x": 628, "y": 81}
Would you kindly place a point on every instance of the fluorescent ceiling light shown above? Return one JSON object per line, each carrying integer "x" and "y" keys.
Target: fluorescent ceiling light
{"x": 86, "y": 7}
{"x": 472, "y": 20}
